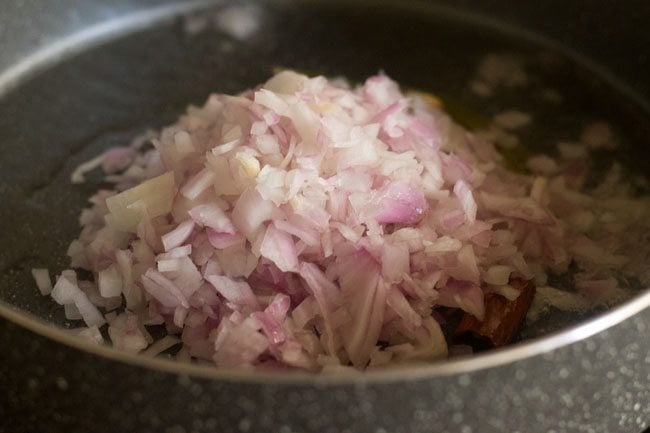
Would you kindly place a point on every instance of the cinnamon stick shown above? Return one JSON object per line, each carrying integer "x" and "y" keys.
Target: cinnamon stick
{"x": 503, "y": 318}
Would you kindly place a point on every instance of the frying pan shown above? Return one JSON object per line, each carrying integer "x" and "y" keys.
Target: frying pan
{"x": 77, "y": 77}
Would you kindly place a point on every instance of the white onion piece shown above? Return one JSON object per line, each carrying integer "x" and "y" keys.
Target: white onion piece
{"x": 498, "y": 275}
{"x": 164, "y": 290}
{"x": 176, "y": 237}
{"x": 278, "y": 247}
{"x": 237, "y": 292}
{"x": 239, "y": 344}
{"x": 197, "y": 184}
{"x": 251, "y": 211}
{"x": 403, "y": 308}
{"x": 155, "y": 195}
{"x": 91, "y": 334}
{"x": 78, "y": 175}
{"x": 43, "y": 282}
{"x": 464, "y": 194}
{"x": 65, "y": 290}
{"x": 88, "y": 311}
{"x": 167, "y": 342}
{"x": 364, "y": 294}
{"x": 110, "y": 282}
{"x": 126, "y": 334}
{"x": 210, "y": 215}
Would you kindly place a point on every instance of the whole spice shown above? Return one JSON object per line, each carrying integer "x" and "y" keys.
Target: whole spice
{"x": 503, "y": 318}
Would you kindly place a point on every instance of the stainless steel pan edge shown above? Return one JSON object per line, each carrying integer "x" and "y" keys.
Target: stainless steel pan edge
{"x": 597, "y": 384}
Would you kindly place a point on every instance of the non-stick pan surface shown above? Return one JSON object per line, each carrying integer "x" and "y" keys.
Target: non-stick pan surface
{"x": 105, "y": 95}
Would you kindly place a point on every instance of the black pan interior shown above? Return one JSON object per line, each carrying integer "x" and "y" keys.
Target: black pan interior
{"x": 70, "y": 112}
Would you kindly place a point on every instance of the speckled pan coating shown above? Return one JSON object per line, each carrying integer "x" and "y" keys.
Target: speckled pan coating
{"x": 598, "y": 385}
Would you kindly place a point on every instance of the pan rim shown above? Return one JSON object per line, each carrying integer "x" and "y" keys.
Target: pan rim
{"x": 449, "y": 367}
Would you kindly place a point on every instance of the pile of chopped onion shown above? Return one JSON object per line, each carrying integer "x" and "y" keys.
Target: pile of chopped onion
{"x": 306, "y": 224}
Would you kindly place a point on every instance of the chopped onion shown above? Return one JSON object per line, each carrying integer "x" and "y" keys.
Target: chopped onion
{"x": 65, "y": 290}
{"x": 167, "y": 342}
{"x": 110, "y": 282}
{"x": 43, "y": 282}
{"x": 237, "y": 292}
{"x": 176, "y": 237}
{"x": 154, "y": 195}
{"x": 305, "y": 224}
{"x": 464, "y": 194}
{"x": 210, "y": 215}
{"x": 197, "y": 184}
{"x": 278, "y": 247}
